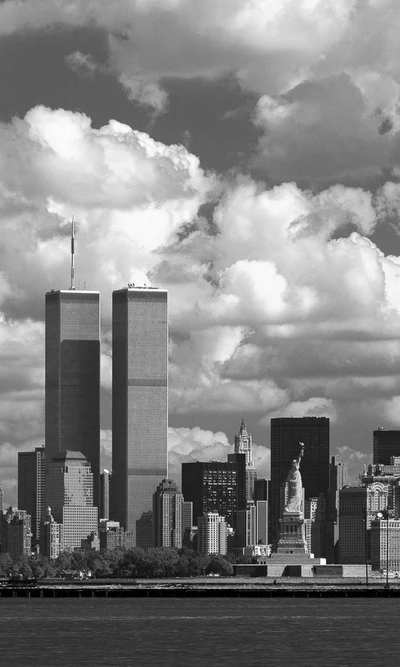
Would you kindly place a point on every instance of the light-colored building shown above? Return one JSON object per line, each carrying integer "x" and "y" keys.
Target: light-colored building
{"x": 72, "y": 383}
{"x": 167, "y": 515}
{"x": 357, "y": 507}
{"x": 244, "y": 445}
{"x": 70, "y": 492}
{"x": 32, "y": 487}
{"x": 314, "y": 519}
{"x": 385, "y": 541}
{"x": 140, "y": 400}
{"x": 105, "y": 482}
{"x": 15, "y": 532}
{"x": 212, "y": 534}
{"x": 246, "y": 527}
{"x": 51, "y": 536}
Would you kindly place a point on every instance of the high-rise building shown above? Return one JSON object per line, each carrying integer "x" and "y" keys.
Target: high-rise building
{"x": 262, "y": 522}
{"x": 32, "y": 487}
{"x": 216, "y": 487}
{"x": 385, "y": 544}
{"x": 244, "y": 445}
{"x": 72, "y": 394}
{"x": 140, "y": 400}
{"x": 286, "y": 433}
{"x": 212, "y": 534}
{"x": 167, "y": 515}
{"x": 315, "y": 521}
{"x": 51, "y": 536}
{"x": 105, "y": 482}
{"x": 338, "y": 478}
{"x": 144, "y": 537}
{"x": 70, "y": 495}
{"x": 187, "y": 516}
{"x": 246, "y": 527}
{"x": 358, "y": 505}
{"x": 15, "y": 532}
{"x": 386, "y": 444}
{"x": 260, "y": 489}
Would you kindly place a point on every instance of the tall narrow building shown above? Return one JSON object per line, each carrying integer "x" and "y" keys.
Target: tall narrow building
{"x": 140, "y": 400}
{"x": 168, "y": 515}
{"x": 286, "y": 433}
{"x": 31, "y": 488}
{"x": 244, "y": 445}
{"x": 72, "y": 393}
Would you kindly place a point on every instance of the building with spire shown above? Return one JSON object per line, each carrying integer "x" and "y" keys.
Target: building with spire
{"x": 72, "y": 374}
{"x": 244, "y": 445}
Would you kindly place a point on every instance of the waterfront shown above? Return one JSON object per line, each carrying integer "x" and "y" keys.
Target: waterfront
{"x": 198, "y": 632}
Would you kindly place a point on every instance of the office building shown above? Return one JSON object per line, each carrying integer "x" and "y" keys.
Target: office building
{"x": 386, "y": 443}
{"x": 70, "y": 495}
{"x": 51, "y": 536}
{"x": 167, "y": 515}
{"x": 15, "y": 533}
{"x": 72, "y": 383}
{"x": 286, "y": 433}
{"x": 244, "y": 445}
{"x": 32, "y": 487}
{"x": 112, "y": 536}
{"x": 315, "y": 521}
{"x": 385, "y": 544}
{"x": 260, "y": 490}
{"x": 338, "y": 478}
{"x": 216, "y": 487}
{"x": 187, "y": 516}
{"x": 358, "y": 505}
{"x": 246, "y": 527}
{"x": 140, "y": 400}
{"x": 262, "y": 522}
{"x": 212, "y": 534}
{"x": 145, "y": 531}
{"x": 105, "y": 483}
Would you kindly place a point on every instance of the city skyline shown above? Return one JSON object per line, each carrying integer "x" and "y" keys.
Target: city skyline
{"x": 250, "y": 166}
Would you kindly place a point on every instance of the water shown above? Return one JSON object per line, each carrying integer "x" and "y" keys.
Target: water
{"x": 198, "y": 632}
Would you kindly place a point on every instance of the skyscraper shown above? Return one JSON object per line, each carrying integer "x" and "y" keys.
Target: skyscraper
{"x": 70, "y": 496}
{"x": 286, "y": 433}
{"x": 215, "y": 486}
{"x": 244, "y": 445}
{"x": 105, "y": 484}
{"x": 338, "y": 474}
{"x": 167, "y": 515}
{"x": 212, "y": 535}
{"x": 72, "y": 400}
{"x": 31, "y": 487}
{"x": 386, "y": 444}
{"x": 140, "y": 400}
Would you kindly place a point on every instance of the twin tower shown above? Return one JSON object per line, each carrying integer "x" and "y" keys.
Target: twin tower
{"x": 139, "y": 390}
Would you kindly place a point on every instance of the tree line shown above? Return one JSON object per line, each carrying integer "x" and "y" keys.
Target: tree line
{"x": 119, "y": 563}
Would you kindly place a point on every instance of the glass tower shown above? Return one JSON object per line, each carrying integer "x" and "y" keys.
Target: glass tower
{"x": 140, "y": 401}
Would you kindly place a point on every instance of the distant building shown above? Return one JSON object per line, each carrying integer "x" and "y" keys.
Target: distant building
{"x": 167, "y": 515}
{"x": 145, "y": 530}
{"x": 315, "y": 520}
{"x": 286, "y": 433}
{"x": 112, "y": 536}
{"x": 386, "y": 443}
{"x": 51, "y": 536}
{"x": 244, "y": 445}
{"x": 32, "y": 487}
{"x": 212, "y": 534}
{"x": 187, "y": 516}
{"x": 105, "y": 481}
{"x": 16, "y": 535}
{"x": 72, "y": 391}
{"x": 216, "y": 487}
{"x": 140, "y": 400}
{"x": 262, "y": 522}
{"x": 70, "y": 492}
{"x": 246, "y": 527}
{"x": 357, "y": 507}
{"x": 260, "y": 489}
{"x": 385, "y": 541}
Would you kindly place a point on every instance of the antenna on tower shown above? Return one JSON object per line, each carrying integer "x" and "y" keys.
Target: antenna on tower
{"x": 72, "y": 253}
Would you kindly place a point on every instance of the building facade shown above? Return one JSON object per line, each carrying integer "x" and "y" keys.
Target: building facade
{"x": 244, "y": 445}
{"x": 32, "y": 488}
{"x": 286, "y": 433}
{"x": 358, "y": 505}
{"x": 338, "y": 478}
{"x": 216, "y": 487}
{"x": 72, "y": 382}
{"x": 105, "y": 484}
{"x": 212, "y": 534}
{"x": 70, "y": 495}
{"x": 167, "y": 515}
{"x": 51, "y": 536}
{"x": 15, "y": 533}
{"x": 140, "y": 400}
{"x": 386, "y": 443}
{"x": 385, "y": 544}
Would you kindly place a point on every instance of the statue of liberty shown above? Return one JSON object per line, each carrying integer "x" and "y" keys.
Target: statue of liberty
{"x": 294, "y": 482}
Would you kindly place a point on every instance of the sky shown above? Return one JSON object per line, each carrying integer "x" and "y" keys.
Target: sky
{"x": 243, "y": 154}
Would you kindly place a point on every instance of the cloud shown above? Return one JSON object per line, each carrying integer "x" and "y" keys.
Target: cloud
{"x": 81, "y": 63}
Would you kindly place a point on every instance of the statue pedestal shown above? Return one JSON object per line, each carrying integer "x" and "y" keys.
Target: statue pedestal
{"x": 292, "y": 539}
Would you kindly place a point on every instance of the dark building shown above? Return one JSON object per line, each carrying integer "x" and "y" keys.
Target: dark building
{"x": 215, "y": 486}
{"x": 260, "y": 489}
{"x": 140, "y": 400}
{"x": 105, "y": 485}
{"x": 31, "y": 488}
{"x": 338, "y": 473}
{"x": 385, "y": 445}
{"x": 72, "y": 393}
{"x": 286, "y": 433}
{"x": 145, "y": 530}
{"x": 15, "y": 532}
